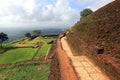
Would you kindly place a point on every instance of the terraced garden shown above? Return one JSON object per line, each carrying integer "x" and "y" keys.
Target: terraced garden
{"x": 24, "y": 51}
{"x": 17, "y": 55}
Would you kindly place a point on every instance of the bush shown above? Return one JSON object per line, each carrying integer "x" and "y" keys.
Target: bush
{"x": 85, "y": 12}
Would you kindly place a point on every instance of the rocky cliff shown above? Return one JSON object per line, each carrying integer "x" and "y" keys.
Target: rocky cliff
{"x": 98, "y": 36}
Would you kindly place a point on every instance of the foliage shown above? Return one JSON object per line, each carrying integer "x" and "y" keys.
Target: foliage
{"x": 44, "y": 48}
{"x": 28, "y": 35}
{"x": 26, "y": 72}
{"x": 85, "y": 12}
{"x": 17, "y": 55}
{"x": 43, "y": 51}
{"x": 3, "y": 37}
{"x": 33, "y": 37}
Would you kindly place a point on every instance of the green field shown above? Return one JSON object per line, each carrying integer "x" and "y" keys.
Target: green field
{"x": 45, "y": 40}
{"x": 42, "y": 52}
{"x": 45, "y": 47}
{"x": 17, "y": 55}
{"x": 26, "y": 72}
{"x": 21, "y": 50}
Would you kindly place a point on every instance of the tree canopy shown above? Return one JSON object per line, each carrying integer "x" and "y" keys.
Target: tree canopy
{"x": 28, "y": 35}
{"x": 3, "y": 37}
{"x": 85, "y": 12}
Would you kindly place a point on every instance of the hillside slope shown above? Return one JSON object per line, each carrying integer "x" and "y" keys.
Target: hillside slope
{"x": 98, "y": 36}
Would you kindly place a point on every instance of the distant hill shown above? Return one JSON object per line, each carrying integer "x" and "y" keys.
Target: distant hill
{"x": 52, "y": 31}
{"x": 15, "y": 34}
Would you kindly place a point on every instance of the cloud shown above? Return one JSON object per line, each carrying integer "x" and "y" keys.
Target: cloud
{"x": 100, "y": 3}
{"x": 93, "y": 4}
{"x": 44, "y": 13}
{"x": 35, "y": 12}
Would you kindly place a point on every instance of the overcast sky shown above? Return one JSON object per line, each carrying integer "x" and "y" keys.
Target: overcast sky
{"x": 44, "y": 13}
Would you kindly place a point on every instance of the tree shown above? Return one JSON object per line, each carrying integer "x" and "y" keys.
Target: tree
{"x": 3, "y": 37}
{"x": 37, "y": 32}
{"x": 85, "y": 12}
{"x": 28, "y": 35}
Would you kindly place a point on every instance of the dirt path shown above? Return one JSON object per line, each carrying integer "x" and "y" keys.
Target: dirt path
{"x": 84, "y": 68}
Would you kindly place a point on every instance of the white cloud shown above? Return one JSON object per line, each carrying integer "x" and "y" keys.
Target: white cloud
{"x": 85, "y": 2}
{"x": 93, "y": 4}
{"x": 43, "y": 12}
{"x": 100, "y": 3}
{"x": 29, "y": 5}
{"x": 27, "y": 12}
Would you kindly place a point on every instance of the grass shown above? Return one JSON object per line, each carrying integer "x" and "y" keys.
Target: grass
{"x": 26, "y": 72}
{"x": 34, "y": 41}
{"x": 13, "y": 43}
{"x": 43, "y": 51}
{"x": 16, "y": 55}
{"x": 45, "y": 47}
{"x": 45, "y": 40}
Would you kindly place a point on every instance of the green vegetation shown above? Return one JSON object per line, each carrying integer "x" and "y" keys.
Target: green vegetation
{"x": 3, "y": 37}
{"x": 26, "y": 72}
{"x": 25, "y": 49}
{"x": 45, "y": 40}
{"x": 35, "y": 33}
{"x": 45, "y": 47}
{"x": 28, "y": 35}
{"x": 13, "y": 43}
{"x": 21, "y": 50}
{"x": 42, "y": 52}
{"x": 85, "y": 12}
{"x": 17, "y": 55}
{"x": 15, "y": 51}
{"x": 34, "y": 41}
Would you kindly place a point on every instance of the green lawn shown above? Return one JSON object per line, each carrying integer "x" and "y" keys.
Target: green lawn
{"x": 22, "y": 54}
{"x": 33, "y": 42}
{"x": 45, "y": 40}
{"x": 42, "y": 52}
{"x": 16, "y": 55}
{"x": 45, "y": 47}
{"x": 26, "y": 72}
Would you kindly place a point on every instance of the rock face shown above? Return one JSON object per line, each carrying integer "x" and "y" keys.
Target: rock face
{"x": 118, "y": 0}
{"x": 99, "y": 36}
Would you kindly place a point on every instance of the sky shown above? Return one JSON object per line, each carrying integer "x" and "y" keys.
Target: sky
{"x": 15, "y": 14}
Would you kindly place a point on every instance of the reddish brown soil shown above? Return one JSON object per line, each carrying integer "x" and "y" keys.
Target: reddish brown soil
{"x": 63, "y": 67}
{"x": 54, "y": 69}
